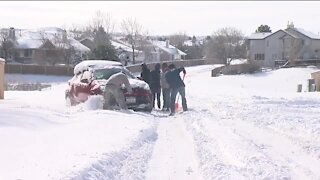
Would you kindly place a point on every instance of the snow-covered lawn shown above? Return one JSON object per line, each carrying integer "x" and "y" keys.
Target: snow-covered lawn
{"x": 239, "y": 127}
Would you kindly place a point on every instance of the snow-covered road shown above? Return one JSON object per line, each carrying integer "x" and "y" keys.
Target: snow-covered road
{"x": 238, "y": 127}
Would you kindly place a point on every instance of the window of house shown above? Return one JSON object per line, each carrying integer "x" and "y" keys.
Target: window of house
{"x": 259, "y": 57}
{"x": 27, "y": 52}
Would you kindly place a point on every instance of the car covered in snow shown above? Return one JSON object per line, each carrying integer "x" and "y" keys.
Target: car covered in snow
{"x": 99, "y": 71}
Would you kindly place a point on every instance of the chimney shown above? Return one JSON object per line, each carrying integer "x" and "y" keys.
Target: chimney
{"x": 12, "y": 33}
{"x": 167, "y": 43}
{"x": 290, "y": 25}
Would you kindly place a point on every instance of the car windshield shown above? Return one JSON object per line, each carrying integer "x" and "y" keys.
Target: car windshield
{"x": 106, "y": 73}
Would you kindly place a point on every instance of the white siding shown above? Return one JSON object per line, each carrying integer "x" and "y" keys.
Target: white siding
{"x": 274, "y": 50}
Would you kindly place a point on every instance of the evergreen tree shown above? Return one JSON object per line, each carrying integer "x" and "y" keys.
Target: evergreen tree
{"x": 103, "y": 48}
{"x": 263, "y": 28}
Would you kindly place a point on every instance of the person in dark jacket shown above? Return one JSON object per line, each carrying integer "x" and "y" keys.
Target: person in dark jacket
{"x": 155, "y": 85}
{"x": 177, "y": 85}
{"x": 145, "y": 74}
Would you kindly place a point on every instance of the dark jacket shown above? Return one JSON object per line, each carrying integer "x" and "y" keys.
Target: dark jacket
{"x": 155, "y": 80}
{"x": 145, "y": 74}
{"x": 173, "y": 78}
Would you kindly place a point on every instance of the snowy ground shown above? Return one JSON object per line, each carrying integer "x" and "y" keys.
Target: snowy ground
{"x": 238, "y": 127}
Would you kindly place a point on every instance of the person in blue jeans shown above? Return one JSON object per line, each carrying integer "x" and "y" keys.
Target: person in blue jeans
{"x": 176, "y": 85}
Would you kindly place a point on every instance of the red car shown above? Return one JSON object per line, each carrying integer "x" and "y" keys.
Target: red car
{"x": 100, "y": 71}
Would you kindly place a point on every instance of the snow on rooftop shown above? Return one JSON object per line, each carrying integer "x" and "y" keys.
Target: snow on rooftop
{"x": 24, "y": 43}
{"x": 2, "y": 60}
{"x": 78, "y": 46}
{"x": 51, "y": 29}
{"x": 308, "y": 33}
{"x": 170, "y": 49}
{"x": 34, "y": 39}
{"x": 118, "y": 45}
{"x": 259, "y": 35}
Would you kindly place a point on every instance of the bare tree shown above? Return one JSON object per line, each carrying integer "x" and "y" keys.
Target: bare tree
{"x": 7, "y": 43}
{"x": 43, "y": 36}
{"x": 63, "y": 45}
{"x": 77, "y": 32}
{"x": 294, "y": 48}
{"x": 178, "y": 39}
{"x": 225, "y": 44}
{"x": 102, "y": 19}
{"x": 132, "y": 29}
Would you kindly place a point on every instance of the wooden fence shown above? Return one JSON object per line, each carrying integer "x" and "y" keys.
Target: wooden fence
{"x": 68, "y": 70}
{"x": 38, "y": 69}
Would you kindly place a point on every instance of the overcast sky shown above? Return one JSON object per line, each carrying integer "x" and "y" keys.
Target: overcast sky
{"x": 164, "y": 17}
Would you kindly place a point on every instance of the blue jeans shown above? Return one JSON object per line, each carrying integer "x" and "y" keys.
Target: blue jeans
{"x": 182, "y": 92}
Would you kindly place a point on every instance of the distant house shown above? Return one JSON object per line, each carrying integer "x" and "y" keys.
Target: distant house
{"x": 124, "y": 50}
{"x": 166, "y": 52}
{"x": 291, "y": 44}
{"x": 38, "y": 46}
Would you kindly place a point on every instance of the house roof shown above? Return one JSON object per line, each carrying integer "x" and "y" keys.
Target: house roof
{"x": 171, "y": 49}
{"x": 290, "y": 34}
{"x": 23, "y": 43}
{"x": 34, "y": 39}
{"x": 307, "y": 33}
{"x": 118, "y": 45}
{"x": 259, "y": 35}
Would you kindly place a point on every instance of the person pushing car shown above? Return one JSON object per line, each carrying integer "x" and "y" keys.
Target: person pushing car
{"x": 113, "y": 90}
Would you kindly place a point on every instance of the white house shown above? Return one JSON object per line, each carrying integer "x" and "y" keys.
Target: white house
{"x": 166, "y": 52}
{"x": 291, "y": 44}
{"x": 125, "y": 52}
{"x": 45, "y": 41}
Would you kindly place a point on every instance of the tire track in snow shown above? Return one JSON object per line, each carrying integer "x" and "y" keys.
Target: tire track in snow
{"x": 228, "y": 156}
{"x": 174, "y": 156}
{"x": 265, "y": 155}
{"x": 130, "y": 163}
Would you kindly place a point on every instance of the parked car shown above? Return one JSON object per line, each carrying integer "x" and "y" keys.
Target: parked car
{"x": 100, "y": 70}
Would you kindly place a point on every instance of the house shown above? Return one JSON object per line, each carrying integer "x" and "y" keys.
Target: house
{"x": 45, "y": 46}
{"x": 164, "y": 51}
{"x": 124, "y": 50}
{"x": 291, "y": 45}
